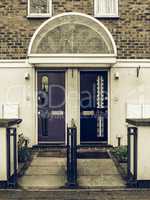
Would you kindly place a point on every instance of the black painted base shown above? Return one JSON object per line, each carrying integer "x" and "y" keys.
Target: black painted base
{"x": 3, "y": 184}
{"x": 138, "y": 184}
{"x": 11, "y": 183}
{"x": 143, "y": 184}
{"x": 92, "y": 144}
{"x": 71, "y": 186}
{"x": 48, "y": 146}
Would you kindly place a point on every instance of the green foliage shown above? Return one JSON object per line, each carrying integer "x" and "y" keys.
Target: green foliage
{"x": 24, "y": 153}
{"x": 121, "y": 153}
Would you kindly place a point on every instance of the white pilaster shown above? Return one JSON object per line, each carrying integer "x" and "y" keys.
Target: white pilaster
{"x": 73, "y": 99}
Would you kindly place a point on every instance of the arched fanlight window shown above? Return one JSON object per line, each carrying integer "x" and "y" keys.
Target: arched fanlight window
{"x": 72, "y": 33}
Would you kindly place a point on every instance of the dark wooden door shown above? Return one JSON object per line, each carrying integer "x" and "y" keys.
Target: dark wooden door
{"x": 93, "y": 106}
{"x": 51, "y": 106}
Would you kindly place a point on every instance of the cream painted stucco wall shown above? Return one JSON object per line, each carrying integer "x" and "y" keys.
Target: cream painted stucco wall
{"x": 3, "y": 153}
{"x": 14, "y": 89}
{"x": 128, "y": 89}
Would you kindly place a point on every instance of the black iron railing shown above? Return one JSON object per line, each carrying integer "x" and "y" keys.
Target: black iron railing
{"x": 72, "y": 156}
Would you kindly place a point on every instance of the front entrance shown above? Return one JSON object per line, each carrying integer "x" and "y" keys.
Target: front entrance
{"x": 93, "y": 106}
{"x": 51, "y": 106}
{"x": 58, "y": 45}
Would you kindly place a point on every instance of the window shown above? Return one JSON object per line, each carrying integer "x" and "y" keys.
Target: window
{"x": 106, "y": 8}
{"x": 39, "y": 8}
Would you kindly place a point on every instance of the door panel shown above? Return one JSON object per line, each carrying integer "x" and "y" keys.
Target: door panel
{"x": 51, "y": 106}
{"x": 93, "y": 106}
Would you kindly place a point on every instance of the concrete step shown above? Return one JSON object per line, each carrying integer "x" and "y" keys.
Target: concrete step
{"x": 48, "y": 161}
{"x": 96, "y": 167}
{"x": 50, "y": 172}
{"x": 42, "y": 181}
{"x": 52, "y": 153}
{"x": 101, "y": 181}
{"x": 76, "y": 194}
{"x": 46, "y": 170}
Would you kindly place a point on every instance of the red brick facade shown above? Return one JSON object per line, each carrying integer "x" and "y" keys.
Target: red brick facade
{"x": 131, "y": 31}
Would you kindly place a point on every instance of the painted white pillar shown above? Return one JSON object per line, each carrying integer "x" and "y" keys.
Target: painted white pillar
{"x": 73, "y": 99}
{"x": 3, "y": 155}
{"x": 143, "y": 153}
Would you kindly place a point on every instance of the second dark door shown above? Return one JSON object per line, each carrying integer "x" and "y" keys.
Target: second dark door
{"x": 93, "y": 106}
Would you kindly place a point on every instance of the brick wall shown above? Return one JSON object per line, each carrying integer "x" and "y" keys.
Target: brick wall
{"x": 131, "y": 30}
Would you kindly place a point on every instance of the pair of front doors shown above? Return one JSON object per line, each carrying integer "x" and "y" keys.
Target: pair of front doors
{"x": 51, "y": 106}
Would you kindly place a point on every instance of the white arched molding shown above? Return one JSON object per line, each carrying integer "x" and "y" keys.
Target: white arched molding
{"x": 72, "y": 38}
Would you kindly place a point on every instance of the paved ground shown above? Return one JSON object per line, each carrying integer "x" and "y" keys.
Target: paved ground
{"x": 76, "y": 195}
{"x": 98, "y": 173}
{"x": 50, "y": 172}
{"x": 44, "y": 172}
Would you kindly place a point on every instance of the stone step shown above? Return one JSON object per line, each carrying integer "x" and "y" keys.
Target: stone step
{"x": 42, "y": 181}
{"x": 52, "y": 161}
{"x": 46, "y": 170}
{"x": 59, "y": 154}
{"x": 101, "y": 181}
{"x": 96, "y": 167}
{"x": 50, "y": 172}
{"x": 95, "y": 172}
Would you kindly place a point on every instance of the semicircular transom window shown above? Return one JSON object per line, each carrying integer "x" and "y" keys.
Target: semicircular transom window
{"x": 72, "y": 35}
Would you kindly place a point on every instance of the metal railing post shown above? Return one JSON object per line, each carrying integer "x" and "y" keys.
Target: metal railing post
{"x": 132, "y": 156}
{"x": 72, "y": 156}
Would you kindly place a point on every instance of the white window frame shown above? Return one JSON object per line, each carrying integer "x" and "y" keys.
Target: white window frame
{"x": 40, "y": 15}
{"x": 106, "y": 15}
